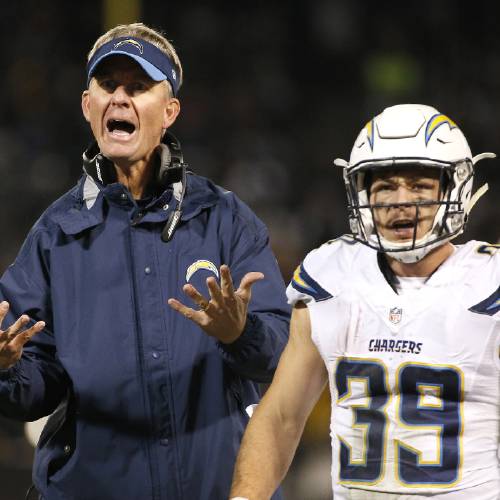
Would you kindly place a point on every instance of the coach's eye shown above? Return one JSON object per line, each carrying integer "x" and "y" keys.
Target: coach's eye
{"x": 137, "y": 87}
{"x": 108, "y": 84}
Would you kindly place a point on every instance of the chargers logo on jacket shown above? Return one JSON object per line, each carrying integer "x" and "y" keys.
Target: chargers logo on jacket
{"x": 201, "y": 264}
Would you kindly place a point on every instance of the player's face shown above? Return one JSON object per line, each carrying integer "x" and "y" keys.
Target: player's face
{"x": 397, "y": 223}
{"x": 127, "y": 111}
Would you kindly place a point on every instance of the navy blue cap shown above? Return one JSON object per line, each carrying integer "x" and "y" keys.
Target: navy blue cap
{"x": 152, "y": 60}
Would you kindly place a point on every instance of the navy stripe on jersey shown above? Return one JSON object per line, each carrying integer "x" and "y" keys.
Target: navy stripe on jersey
{"x": 489, "y": 306}
{"x": 303, "y": 283}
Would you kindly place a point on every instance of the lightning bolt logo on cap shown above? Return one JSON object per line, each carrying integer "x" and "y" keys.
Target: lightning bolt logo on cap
{"x": 135, "y": 43}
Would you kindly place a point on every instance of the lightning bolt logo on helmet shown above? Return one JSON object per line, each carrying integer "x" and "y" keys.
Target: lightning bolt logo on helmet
{"x": 369, "y": 133}
{"x": 435, "y": 122}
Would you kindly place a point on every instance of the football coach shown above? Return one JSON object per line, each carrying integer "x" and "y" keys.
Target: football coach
{"x": 145, "y": 305}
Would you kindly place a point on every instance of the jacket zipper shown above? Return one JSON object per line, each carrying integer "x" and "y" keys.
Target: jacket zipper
{"x": 140, "y": 351}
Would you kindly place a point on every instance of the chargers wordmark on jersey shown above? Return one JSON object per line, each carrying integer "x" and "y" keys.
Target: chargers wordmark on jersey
{"x": 303, "y": 283}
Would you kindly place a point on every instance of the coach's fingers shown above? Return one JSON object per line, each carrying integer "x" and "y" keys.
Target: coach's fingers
{"x": 245, "y": 289}
{"x": 15, "y": 328}
{"x": 215, "y": 292}
{"x": 4, "y": 309}
{"x": 226, "y": 282}
{"x": 186, "y": 311}
{"x": 196, "y": 296}
{"x": 22, "y": 337}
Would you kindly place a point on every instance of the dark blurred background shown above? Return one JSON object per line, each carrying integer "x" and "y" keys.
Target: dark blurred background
{"x": 273, "y": 92}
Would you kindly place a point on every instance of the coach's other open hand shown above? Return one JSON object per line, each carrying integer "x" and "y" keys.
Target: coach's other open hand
{"x": 13, "y": 339}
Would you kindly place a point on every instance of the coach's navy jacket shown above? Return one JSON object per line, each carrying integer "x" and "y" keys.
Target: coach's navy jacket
{"x": 147, "y": 406}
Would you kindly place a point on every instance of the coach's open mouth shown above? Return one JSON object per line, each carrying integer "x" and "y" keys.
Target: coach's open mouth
{"x": 120, "y": 127}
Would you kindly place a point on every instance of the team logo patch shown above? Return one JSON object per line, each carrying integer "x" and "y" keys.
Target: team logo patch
{"x": 132, "y": 42}
{"x": 395, "y": 315}
{"x": 201, "y": 264}
{"x": 434, "y": 123}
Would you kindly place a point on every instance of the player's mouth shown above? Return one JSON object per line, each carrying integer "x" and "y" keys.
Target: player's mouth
{"x": 402, "y": 228}
{"x": 120, "y": 129}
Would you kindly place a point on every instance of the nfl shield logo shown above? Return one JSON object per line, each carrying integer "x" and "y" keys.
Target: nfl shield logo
{"x": 395, "y": 315}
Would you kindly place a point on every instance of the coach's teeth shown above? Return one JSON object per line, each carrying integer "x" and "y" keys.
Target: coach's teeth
{"x": 120, "y": 125}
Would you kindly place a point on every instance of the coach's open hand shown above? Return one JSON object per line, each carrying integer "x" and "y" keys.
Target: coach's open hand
{"x": 13, "y": 339}
{"x": 225, "y": 314}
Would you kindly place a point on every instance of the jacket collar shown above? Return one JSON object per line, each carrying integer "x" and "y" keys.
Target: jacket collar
{"x": 89, "y": 203}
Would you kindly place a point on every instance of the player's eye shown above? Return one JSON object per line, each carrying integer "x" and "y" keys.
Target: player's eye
{"x": 422, "y": 186}
{"x": 380, "y": 187}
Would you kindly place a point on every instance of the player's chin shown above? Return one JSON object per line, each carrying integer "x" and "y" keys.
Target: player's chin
{"x": 400, "y": 235}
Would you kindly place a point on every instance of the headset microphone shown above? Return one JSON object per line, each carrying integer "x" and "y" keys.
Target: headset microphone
{"x": 173, "y": 171}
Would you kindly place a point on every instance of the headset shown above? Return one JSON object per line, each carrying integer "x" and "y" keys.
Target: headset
{"x": 172, "y": 172}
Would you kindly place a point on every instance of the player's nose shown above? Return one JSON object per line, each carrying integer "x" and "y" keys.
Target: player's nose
{"x": 402, "y": 194}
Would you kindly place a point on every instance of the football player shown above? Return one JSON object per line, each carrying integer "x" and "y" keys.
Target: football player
{"x": 403, "y": 325}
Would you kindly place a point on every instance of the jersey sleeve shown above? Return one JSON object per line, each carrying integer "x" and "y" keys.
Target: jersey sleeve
{"x": 304, "y": 288}
{"x": 490, "y": 305}
{"x": 489, "y": 296}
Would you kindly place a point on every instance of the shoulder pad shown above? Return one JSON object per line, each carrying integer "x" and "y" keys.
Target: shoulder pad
{"x": 320, "y": 275}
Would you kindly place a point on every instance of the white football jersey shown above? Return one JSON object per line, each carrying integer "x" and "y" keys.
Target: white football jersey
{"x": 414, "y": 377}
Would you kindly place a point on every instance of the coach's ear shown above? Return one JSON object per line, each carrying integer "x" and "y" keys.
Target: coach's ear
{"x": 86, "y": 105}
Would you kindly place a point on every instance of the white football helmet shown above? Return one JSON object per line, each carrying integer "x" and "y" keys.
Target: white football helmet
{"x": 412, "y": 135}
